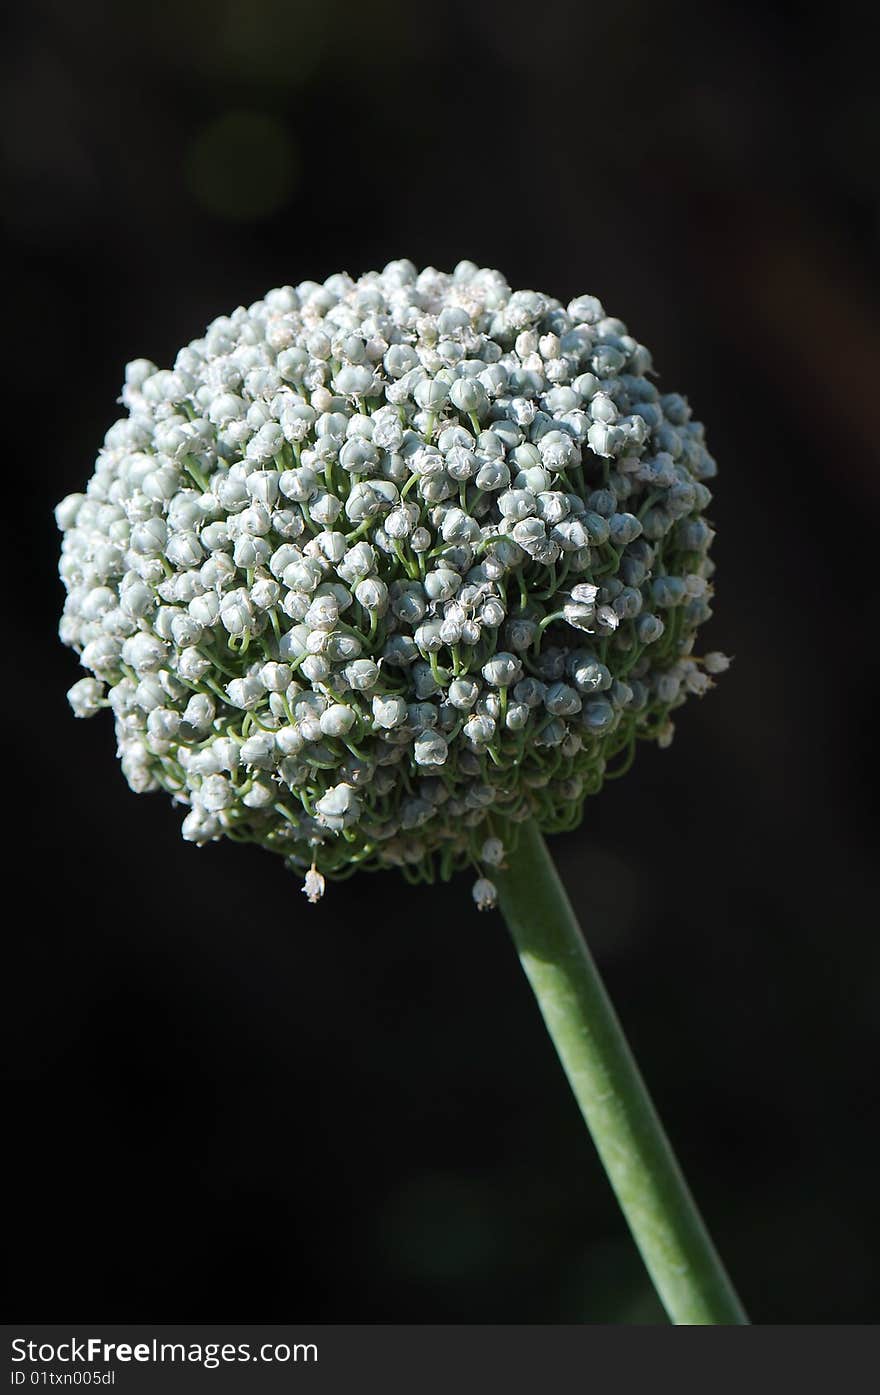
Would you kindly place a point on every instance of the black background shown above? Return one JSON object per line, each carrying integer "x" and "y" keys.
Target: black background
{"x": 222, "y": 1103}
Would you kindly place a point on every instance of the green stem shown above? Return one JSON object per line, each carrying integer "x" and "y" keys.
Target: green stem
{"x": 659, "y": 1209}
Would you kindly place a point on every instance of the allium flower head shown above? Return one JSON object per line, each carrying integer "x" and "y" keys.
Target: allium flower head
{"x": 383, "y": 567}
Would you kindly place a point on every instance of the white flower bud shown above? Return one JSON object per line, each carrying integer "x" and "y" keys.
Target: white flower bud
{"x": 259, "y": 750}
{"x": 339, "y": 807}
{"x": 262, "y": 486}
{"x": 192, "y": 665}
{"x": 236, "y": 612}
{"x": 275, "y": 677}
{"x": 485, "y": 894}
{"x": 67, "y": 511}
{"x": 479, "y": 730}
{"x": 430, "y": 749}
{"x": 86, "y": 697}
{"x": 246, "y": 693}
{"x": 492, "y": 852}
{"x": 184, "y": 550}
{"x": 389, "y": 712}
{"x": 337, "y": 720}
{"x": 362, "y": 674}
{"x": 313, "y": 886}
{"x": 200, "y": 827}
{"x": 215, "y": 793}
{"x": 265, "y": 593}
{"x": 260, "y": 794}
{"x": 503, "y": 670}
{"x": 144, "y": 653}
{"x": 372, "y": 594}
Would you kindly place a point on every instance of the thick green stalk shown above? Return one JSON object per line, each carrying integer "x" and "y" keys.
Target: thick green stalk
{"x": 660, "y": 1211}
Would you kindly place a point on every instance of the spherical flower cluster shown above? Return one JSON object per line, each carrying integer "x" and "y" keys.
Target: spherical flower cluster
{"x": 383, "y": 567}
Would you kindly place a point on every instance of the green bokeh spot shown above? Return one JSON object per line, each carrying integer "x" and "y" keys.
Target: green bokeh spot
{"x": 242, "y": 165}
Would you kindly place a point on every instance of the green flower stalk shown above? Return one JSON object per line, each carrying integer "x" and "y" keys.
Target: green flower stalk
{"x": 395, "y": 572}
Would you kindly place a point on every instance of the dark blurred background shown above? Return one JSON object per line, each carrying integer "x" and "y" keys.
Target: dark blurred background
{"x": 225, "y": 1105}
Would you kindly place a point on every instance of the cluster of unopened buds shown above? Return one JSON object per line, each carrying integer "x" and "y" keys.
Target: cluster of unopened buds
{"x": 383, "y": 567}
